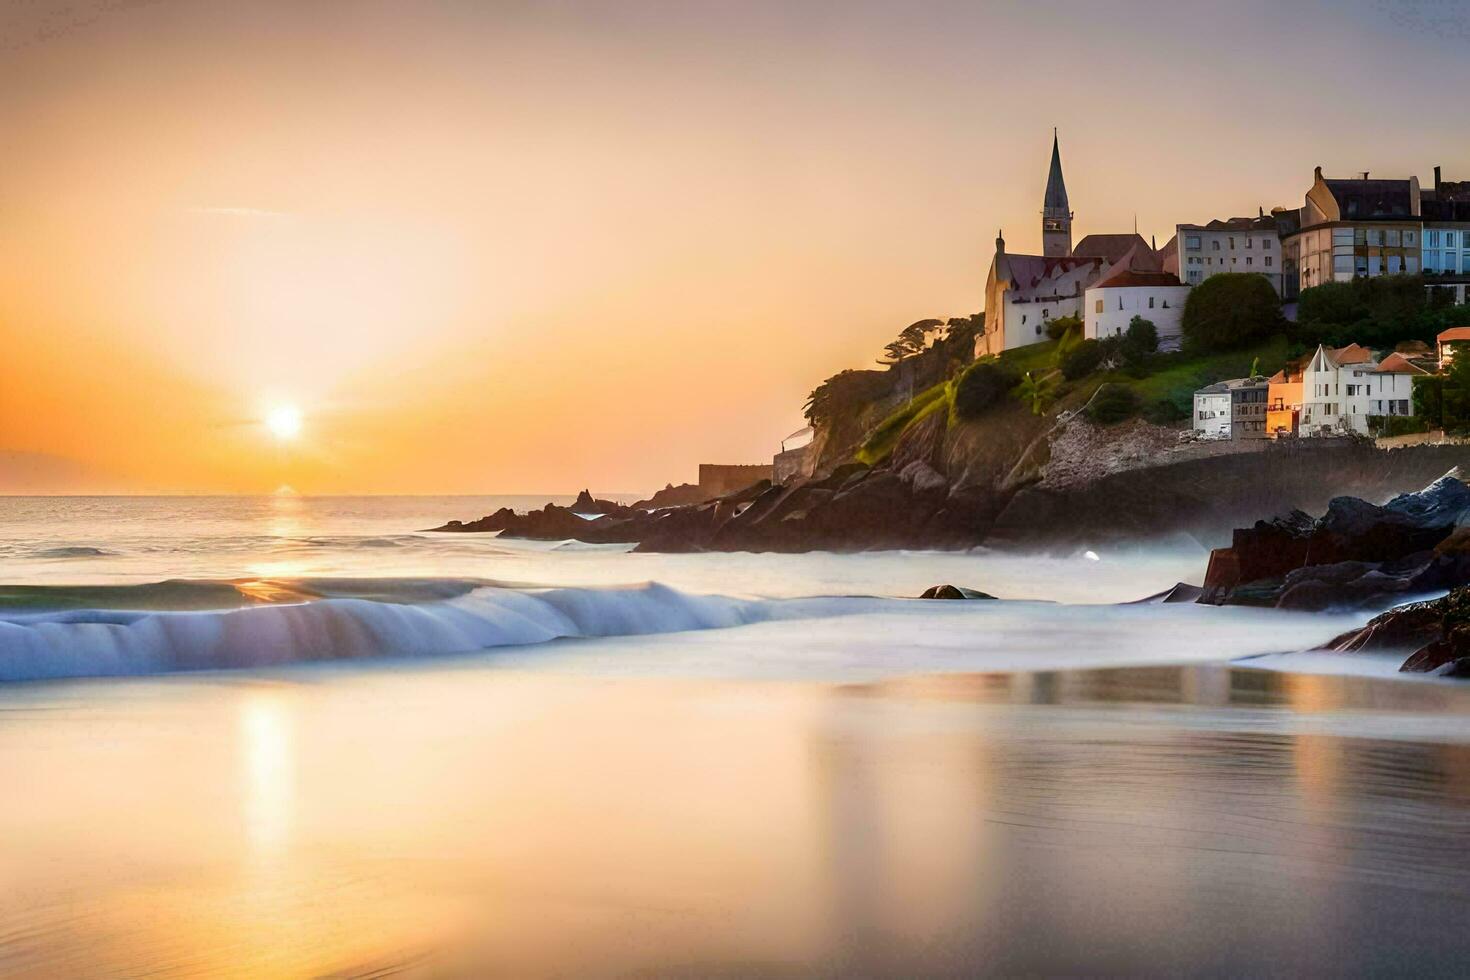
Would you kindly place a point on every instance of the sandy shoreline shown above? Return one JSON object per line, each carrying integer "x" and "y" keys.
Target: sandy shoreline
{"x": 470, "y": 816}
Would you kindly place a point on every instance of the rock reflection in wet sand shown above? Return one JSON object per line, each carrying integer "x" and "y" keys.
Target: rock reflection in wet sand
{"x": 453, "y": 820}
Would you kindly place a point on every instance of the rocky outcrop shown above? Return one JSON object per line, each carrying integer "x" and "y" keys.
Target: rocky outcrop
{"x": 1357, "y": 554}
{"x": 955, "y": 487}
{"x": 1438, "y": 631}
{"x": 954, "y": 592}
{"x": 684, "y": 495}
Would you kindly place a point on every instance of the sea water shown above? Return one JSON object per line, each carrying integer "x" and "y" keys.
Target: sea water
{"x": 301, "y": 736}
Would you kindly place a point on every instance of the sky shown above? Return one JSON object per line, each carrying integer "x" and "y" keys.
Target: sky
{"x": 530, "y": 247}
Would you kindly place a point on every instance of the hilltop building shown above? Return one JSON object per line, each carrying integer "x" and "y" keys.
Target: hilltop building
{"x": 1229, "y": 245}
{"x": 1353, "y": 227}
{"x": 1128, "y": 291}
{"x": 1023, "y": 292}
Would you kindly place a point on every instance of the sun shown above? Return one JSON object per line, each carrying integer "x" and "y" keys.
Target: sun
{"x": 284, "y": 422}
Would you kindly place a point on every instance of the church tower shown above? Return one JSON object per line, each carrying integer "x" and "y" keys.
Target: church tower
{"x": 1056, "y": 217}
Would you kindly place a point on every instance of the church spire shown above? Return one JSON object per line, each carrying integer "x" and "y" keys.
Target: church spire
{"x": 1056, "y": 187}
{"x": 1056, "y": 214}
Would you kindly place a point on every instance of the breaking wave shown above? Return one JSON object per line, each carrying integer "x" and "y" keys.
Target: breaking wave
{"x": 48, "y": 633}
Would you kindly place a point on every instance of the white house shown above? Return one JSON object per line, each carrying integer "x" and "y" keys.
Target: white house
{"x": 1231, "y": 245}
{"x": 1342, "y": 388}
{"x": 1212, "y": 410}
{"x": 1113, "y": 301}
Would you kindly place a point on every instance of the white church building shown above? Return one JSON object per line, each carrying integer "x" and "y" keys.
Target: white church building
{"x": 1023, "y": 292}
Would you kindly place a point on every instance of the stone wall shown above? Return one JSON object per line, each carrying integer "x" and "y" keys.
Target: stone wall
{"x": 1206, "y": 490}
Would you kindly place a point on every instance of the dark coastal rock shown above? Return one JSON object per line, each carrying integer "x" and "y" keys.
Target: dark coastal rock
{"x": 1437, "y": 631}
{"x": 954, "y": 592}
{"x": 1357, "y": 554}
{"x": 1181, "y": 592}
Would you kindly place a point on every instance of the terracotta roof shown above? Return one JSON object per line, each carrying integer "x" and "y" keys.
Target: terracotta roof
{"x": 1128, "y": 277}
{"x": 1399, "y": 364}
{"x": 1352, "y": 354}
{"x": 1454, "y": 333}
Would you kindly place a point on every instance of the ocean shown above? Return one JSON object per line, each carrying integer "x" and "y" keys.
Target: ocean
{"x": 301, "y": 736}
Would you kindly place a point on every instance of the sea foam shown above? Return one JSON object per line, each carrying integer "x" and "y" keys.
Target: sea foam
{"x": 73, "y": 642}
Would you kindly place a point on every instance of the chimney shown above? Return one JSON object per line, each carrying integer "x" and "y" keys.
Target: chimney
{"x": 1365, "y": 175}
{"x": 1317, "y": 173}
{"x": 1260, "y": 211}
{"x": 1000, "y": 243}
{"x": 1436, "y": 177}
{"x": 1153, "y": 242}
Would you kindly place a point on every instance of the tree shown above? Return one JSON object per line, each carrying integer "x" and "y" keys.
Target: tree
{"x": 1036, "y": 393}
{"x": 844, "y": 395}
{"x": 981, "y": 386}
{"x": 1231, "y": 310}
{"x": 1083, "y": 359}
{"x": 1140, "y": 340}
{"x": 912, "y": 339}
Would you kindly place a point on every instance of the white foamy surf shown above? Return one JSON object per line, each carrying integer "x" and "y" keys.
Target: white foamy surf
{"x": 39, "y": 643}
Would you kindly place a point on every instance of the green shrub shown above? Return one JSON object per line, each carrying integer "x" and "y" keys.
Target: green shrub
{"x": 1083, "y": 359}
{"x": 1140, "y": 340}
{"x": 1062, "y": 325}
{"x": 1112, "y": 403}
{"x": 1397, "y": 425}
{"x": 1230, "y": 310}
{"x": 980, "y": 387}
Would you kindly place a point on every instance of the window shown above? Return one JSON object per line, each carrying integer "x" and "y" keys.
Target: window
{"x": 1449, "y": 239}
{"x": 1046, "y": 314}
{"x": 1249, "y": 260}
{"x": 1099, "y": 306}
{"x": 1192, "y": 242}
{"x": 1431, "y": 239}
{"x": 1215, "y": 245}
{"x": 1266, "y": 243}
{"x": 1268, "y": 261}
{"x": 1392, "y": 237}
{"x": 1375, "y": 236}
{"x": 1120, "y": 303}
{"x": 1247, "y": 241}
{"x": 1150, "y": 302}
{"x": 1232, "y": 241}
{"x": 1408, "y": 238}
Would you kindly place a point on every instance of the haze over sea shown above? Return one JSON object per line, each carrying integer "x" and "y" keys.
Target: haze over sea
{"x": 293, "y": 735}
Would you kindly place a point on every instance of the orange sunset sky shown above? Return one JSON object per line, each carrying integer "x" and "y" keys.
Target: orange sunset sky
{"x": 516, "y": 247}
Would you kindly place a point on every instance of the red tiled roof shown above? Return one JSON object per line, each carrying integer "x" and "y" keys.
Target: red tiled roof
{"x": 1128, "y": 277}
{"x": 1352, "y": 354}
{"x": 1454, "y": 333}
{"x": 1399, "y": 364}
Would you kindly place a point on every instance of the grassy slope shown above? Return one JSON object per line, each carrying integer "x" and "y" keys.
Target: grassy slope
{"x": 1174, "y": 377}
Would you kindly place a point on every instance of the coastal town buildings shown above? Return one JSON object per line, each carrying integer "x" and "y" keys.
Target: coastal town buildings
{"x": 1344, "y": 388}
{"x": 1447, "y": 342}
{"x": 1284, "y": 400}
{"x": 1023, "y": 292}
{"x": 1234, "y": 409}
{"x": 1230, "y": 245}
{"x": 1113, "y": 301}
{"x": 1358, "y": 226}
